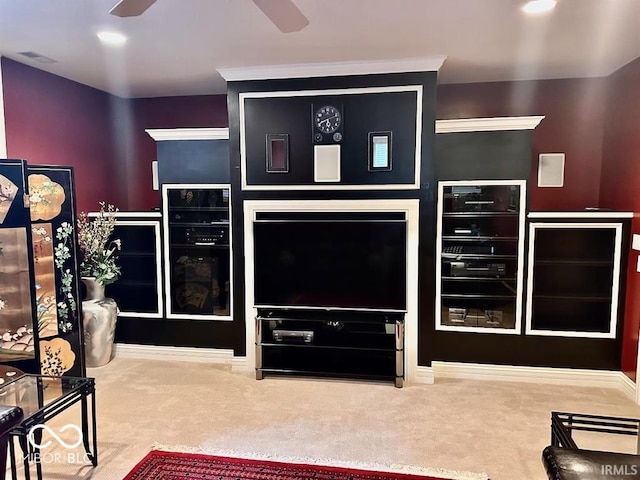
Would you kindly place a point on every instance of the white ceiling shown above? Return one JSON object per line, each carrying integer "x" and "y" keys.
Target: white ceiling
{"x": 176, "y": 46}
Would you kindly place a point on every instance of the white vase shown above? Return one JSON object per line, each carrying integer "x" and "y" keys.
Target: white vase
{"x": 99, "y": 316}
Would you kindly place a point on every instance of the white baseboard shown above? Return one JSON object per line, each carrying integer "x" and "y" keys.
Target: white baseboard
{"x": 181, "y": 354}
{"x": 513, "y": 373}
{"x": 424, "y": 375}
{"x": 240, "y": 364}
{"x": 627, "y": 386}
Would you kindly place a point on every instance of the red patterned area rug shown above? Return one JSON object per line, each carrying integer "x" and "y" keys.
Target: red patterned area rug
{"x": 162, "y": 465}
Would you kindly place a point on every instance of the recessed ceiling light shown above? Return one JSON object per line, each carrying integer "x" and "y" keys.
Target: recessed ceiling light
{"x": 112, "y": 38}
{"x": 539, "y": 6}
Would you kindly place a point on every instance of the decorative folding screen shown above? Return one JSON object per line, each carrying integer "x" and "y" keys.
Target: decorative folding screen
{"x": 55, "y": 256}
{"x": 18, "y": 334}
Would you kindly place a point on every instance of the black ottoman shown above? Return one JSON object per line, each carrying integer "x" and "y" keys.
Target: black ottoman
{"x": 576, "y": 464}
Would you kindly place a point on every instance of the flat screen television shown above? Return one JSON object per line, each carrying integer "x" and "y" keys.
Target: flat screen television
{"x": 330, "y": 264}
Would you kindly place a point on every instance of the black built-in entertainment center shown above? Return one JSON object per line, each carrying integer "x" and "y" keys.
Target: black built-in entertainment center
{"x": 308, "y": 295}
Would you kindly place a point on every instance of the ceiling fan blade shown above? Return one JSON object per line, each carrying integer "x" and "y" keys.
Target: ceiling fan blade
{"x": 131, "y": 8}
{"x": 284, "y": 14}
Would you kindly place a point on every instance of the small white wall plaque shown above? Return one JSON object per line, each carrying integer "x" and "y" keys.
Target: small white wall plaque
{"x": 326, "y": 163}
{"x": 551, "y": 170}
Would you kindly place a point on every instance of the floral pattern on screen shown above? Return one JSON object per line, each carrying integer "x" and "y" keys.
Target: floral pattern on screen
{"x": 45, "y": 197}
{"x": 56, "y": 356}
{"x": 45, "y": 284}
{"x": 67, "y": 306}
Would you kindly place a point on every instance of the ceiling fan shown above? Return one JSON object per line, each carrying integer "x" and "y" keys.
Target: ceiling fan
{"x": 283, "y": 13}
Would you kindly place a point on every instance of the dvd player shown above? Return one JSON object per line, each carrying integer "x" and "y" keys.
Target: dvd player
{"x": 475, "y": 269}
{"x": 299, "y": 336}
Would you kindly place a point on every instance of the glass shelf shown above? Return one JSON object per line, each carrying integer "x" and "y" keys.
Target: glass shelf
{"x": 479, "y": 247}
{"x": 197, "y": 243}
{"x": 574, "y": 283}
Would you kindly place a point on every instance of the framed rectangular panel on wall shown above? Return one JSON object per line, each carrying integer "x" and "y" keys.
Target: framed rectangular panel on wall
{"x": 139, "y": 289}
{"x": 480, "y": 252}
{"x": 55, "y": 256}
{"x": 198, "y": 257}
{"x": 573, "y": 280}
{"x": 18, "y": 331}
{"x": 342, "y": 119}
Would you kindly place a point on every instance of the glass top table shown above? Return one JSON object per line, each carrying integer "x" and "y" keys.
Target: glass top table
{"x": 42, "y": 398}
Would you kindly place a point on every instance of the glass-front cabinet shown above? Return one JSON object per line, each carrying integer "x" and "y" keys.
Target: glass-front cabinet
{"x": 573, "y": 280}
{"x": 480, "y": 246}
{"x": 197, "y": 240}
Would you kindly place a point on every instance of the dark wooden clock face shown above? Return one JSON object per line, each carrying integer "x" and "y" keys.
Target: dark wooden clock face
{"x": 327, "y": 119}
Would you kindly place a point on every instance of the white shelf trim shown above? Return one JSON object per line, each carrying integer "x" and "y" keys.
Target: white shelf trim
{"x": 333, "y": 69}
{"x": 487, "y": 124}
{"x": 582, "y": 214}
{"x": 136, "y": 215}
{"x": 163, "y": 134}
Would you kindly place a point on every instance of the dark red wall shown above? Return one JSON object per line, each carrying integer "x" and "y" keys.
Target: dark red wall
{"x": 167, "y": 112}
{"x": 573, "y": 124}
{"x": 52, "y": 120}
{"x": 631, "y": 310}
{"x": 620, "y": 186}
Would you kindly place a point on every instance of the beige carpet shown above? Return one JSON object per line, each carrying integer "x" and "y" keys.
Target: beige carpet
{"x": 495, "y": 427}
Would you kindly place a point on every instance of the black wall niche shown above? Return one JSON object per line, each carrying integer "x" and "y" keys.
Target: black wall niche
{"x": 188, "y": 162}
{"x": 497, "y": 155}
{"x": 393, "y": 112}
{"x": 193, "y": 161}
{"x": 506, "y": 155}
{"x": 387, "y": 113}
{"x": 137, "y": 288}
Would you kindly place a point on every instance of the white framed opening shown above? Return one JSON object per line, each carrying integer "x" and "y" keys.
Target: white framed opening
{"x": 410, "y": 207}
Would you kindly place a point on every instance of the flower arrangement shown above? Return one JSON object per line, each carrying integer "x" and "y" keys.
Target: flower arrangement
{"x": 98, "y": 249}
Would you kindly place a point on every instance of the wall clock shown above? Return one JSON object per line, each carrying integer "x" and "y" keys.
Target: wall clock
{"x": 328, "y": 121}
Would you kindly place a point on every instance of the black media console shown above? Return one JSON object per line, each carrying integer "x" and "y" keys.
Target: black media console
{"x": 336, "y": 343}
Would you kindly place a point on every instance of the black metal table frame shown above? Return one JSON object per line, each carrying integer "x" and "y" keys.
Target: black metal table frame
{"x": 78, "y": 394}
{"x": 563, "y": 425}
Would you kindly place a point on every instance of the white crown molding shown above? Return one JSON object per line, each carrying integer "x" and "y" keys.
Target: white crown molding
{"x": 179, "y": 354}
{"x": 582, "y": 214}
{"x": 3, "y": 132}
{"x": 487, "y": 124}
{"x": 334, "y": 69}
{"x": 514, "y": 373}
{"x": 162, "y": 134}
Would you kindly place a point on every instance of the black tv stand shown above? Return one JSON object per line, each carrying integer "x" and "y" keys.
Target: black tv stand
{"x": 330, "y": 343}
